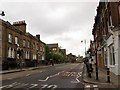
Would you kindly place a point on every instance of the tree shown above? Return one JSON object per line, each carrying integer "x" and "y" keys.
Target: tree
{"x": 48, "y": 54}
{"x": 58, "y": 57}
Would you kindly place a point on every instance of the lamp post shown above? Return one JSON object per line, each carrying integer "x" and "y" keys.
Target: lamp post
{"x": 96, "y": 61}
{"x": 85, "y": 46}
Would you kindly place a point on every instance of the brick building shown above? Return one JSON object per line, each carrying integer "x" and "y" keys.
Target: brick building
{"x": 15, "y": 35}
{"x": 106, "y": 32}
{"x": 53, "y": 47}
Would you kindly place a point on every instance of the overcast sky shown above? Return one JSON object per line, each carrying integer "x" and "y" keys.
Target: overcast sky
{"x": 65, "y": 23}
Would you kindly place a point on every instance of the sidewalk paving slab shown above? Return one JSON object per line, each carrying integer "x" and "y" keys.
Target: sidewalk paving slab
{"x": 102, "y": 78}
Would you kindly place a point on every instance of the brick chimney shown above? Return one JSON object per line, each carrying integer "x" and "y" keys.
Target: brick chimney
{"x": 20, "y": 25}
{"x": 38, "y": 36}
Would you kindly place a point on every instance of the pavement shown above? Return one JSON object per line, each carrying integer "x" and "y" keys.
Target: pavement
{"x": 102, "y": 78}
{"x": 23, "y": 69}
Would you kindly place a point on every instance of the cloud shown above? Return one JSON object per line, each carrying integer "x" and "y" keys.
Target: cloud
{"x": 64, "y": 22}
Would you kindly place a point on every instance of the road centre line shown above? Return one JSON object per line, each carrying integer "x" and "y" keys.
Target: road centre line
{"x": 27, "y": 75}
{"x": 50, "y": 76}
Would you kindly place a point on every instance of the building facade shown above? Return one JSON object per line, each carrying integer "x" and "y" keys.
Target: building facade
{"x": 53, "y": 47}
{"x": 14, "y": 37}
{"x": 106, "y": 33}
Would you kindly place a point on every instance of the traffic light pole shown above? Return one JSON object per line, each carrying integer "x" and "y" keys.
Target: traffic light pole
{"x": 96, "y": 61}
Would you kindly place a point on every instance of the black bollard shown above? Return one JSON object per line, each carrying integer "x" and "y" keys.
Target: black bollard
{"x": 90, "y": 71}
{"x": 108, "y": 75}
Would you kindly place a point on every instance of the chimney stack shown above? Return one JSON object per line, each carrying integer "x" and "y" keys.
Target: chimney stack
{"x": 20, "y": 25}
{"x": 38, "y": 36}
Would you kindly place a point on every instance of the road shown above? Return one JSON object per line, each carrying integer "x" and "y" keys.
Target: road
{"x": 67, "y": 76}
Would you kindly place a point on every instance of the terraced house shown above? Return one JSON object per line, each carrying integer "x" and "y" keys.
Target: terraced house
{"x": 106, "y": 32}
{"x": 15, "y": 35}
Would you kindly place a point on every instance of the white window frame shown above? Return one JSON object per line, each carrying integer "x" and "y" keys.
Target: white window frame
{"x": 16, "y": 40}
{"x": 111, "y": 20}
{"x": 33, "y": 45}
{"x": 40, "y": 48}
{"x": 112, "y": 55}
{"x": 28, "y": 44}
{"x": 37, "y": 47}
{"x": 24, "y": 43}
{"x": 13, "y": 53}
{"x": 10, "y": 38}
{"x": 43, "y": 49}
{"x": 34, "y": 56}
{"x": 119, "y": 10}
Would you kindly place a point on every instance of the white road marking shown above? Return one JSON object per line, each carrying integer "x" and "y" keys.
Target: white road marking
{"x": 87, "y": 86}
{"x": 21, "y": 85}
{"x": 44, "y": 86}
{"x": 27, "y": 75}
{"x": 50, "y": 86}
{"x": 95, "y": 86}
{"x": 50, "y": 76}
{"x": 33, "y": 85}
{"x": 44, "y": 80}
{"x": 12, "y": 85}
{"x": 74, "y": 82}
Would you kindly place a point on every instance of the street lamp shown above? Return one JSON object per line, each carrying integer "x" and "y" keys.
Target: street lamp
{"x": 85, "y": 46}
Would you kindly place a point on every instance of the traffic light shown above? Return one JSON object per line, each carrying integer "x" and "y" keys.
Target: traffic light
{"x": 90, "y": 52}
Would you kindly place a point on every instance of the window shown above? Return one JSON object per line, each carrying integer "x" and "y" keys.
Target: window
{"x": 33, "y": 45}
{"x": 28, "y": 44}
{"x": 54, "y": 49}
{"x": 24, "y": 43}
{"x": 11, "y": 52}
{"x": 43, "y": 49}
{"x": 110, "y": 20}
{"x": 16, "y": 40}
{"x": 27, "y": 56}
{"x": 37, "y": 47}
{"x": 111, "y": 55}
{"x": 108, "y": 24}
{"x": 0, "y": 35}
{"x": 40, "y": 48}
{"x": 34, "y": 56}
{"x": 119, "y": 10}
{"x": 9, "y": 38}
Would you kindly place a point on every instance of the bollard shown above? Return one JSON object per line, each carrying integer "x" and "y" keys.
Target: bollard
{"x": 108, "y": 75}
{"x": 90, "y": 72}
{"x": 91, "y": 67}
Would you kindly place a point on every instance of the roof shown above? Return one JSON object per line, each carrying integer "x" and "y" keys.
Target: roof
{"x": 52, "y": 45}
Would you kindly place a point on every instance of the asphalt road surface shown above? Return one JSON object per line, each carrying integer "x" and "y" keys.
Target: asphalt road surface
{"x": 61, "y": 76}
